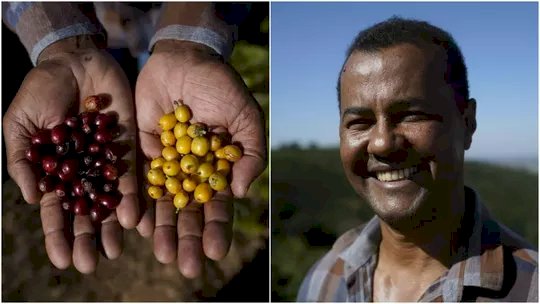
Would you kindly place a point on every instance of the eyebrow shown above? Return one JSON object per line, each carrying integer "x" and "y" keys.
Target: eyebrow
{"x": 398, "y": 104}
{"x": 356, "y": 111}
{"x": 409, "y": 102}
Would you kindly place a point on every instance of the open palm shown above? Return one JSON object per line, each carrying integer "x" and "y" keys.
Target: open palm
{"x": 49, "y": 93}
{"x": 217, "y": 96}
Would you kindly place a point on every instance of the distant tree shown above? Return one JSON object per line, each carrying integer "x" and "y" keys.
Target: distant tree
{"x": 291, "y": 146}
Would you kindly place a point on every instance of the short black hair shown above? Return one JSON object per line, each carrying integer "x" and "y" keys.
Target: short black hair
{"x": 397, "y": 30}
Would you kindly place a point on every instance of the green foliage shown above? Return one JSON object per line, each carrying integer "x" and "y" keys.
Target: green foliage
{"x": 293, "y": 254}
{"x": 312, "y": 204}
{"x": 251, "y": 61}
{"x": 265, "y": 25}
{"x": 511, "y": 195}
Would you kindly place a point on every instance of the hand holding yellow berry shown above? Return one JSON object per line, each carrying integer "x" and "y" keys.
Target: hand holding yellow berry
{"x": 204, "y": 159}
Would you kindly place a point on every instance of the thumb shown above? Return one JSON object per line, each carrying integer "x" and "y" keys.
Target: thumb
{"x": 17, "y": 140}
{"x": 244, "y": 172}
{"x": 19, "y": 168}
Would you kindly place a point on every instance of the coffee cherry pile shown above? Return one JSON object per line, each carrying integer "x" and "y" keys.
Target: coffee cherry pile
{"x": 194, "y": 162}
{"x": 79, "y": 161}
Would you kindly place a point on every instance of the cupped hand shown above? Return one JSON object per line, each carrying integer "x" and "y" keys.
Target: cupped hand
{"x": 217, "y": 96}
{"x": 52, "y": 90}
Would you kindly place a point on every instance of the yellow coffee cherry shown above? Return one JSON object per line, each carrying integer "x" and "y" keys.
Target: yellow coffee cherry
{"x": 217, "y": 181}
{"x": 200, "y": 146}
{"x": 189, "y": 164}
{"x": 189, "y": 184}
{"x": 220, "y": 153}
{"x": 215, "y": 142}
{"x": 223, "y": 167}
{"x": 199, "y": 179}
{"x": 169, "y": 153}
{"x": 208, "y": 158}
{"x": 157, "y": 163}
{"x": 203, "y": 193}
{"x": 167, "y": 138}
{"x": 180, "y": 129}
{"x": 205, "y": 170}
{"x": 173, "y": 185}
{"x": 232, "y": 153}
{"x": 180, "y": 200}
{"x": 171, "y": 167}
{"x": 183, "y": 145}
{"x": 182, "y": 113}
{"x": 196, "y": 129}
{"x": 167, "y": 121}
{"x": 181, "y": 175}
{"x": 155, "y": 192}
{"x": 156, "y": 177}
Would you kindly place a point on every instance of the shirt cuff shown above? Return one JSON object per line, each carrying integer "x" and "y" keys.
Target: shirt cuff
{"x": 195, "y": 34}
{"x": 66, "y": 32}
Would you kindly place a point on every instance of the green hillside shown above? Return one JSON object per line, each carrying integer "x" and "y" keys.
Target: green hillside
{"x": 312, "y": 204}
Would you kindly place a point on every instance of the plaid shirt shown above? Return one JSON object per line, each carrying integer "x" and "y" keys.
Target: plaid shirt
{"x": 497, "y": 265}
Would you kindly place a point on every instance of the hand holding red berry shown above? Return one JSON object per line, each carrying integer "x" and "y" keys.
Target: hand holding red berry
{"x": 67, "y": 72}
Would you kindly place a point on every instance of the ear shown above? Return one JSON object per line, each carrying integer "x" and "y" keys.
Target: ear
{"x": 469, "y": 118}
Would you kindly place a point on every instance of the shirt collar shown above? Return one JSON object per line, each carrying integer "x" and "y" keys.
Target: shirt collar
{"x": 480, "y": 263}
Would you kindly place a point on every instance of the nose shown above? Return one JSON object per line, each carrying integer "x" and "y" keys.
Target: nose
{"x": 385, "y": 143}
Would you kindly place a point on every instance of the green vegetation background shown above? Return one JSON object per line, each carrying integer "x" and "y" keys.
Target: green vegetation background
{"x": 251, "y": 61}
{"x": 312, "y": 204}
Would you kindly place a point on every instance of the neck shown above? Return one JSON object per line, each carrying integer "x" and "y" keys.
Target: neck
{"x": 430, "y": 244}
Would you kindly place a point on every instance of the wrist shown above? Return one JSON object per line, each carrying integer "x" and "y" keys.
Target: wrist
{"x": 173, "y": 45}
{"x": 195, "y": 34}
{"x": 70, "y": 45}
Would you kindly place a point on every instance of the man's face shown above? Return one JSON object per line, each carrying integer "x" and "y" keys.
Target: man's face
{"x": 402, "y": 135}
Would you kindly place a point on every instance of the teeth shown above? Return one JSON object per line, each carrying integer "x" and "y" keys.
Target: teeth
{"x": 394, "y": 175}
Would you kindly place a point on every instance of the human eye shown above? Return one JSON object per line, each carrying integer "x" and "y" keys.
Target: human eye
{"x": 418, "y": 116}
{"x": 359, "y": 123}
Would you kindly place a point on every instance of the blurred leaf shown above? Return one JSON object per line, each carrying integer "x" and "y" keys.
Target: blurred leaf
{"x": 265, "y": 25}
{"x": 252, "y": 62}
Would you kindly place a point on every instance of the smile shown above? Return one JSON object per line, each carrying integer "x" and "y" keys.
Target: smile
{"x": 395, "y": 175}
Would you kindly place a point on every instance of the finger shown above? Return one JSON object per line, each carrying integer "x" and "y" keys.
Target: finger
{"x": 151, "y": 145}
{"x": 151, "y": 148}
{"x": 55, "y": 229}
{"x": 248, "y": 130}
{"x": 244, "y": 172}
{"x": 146, "y": 203}
{"x": 190, "y": 252}
{"x": 128, "y": 211}
{"x": 23, "y": 175}
{"x": 19, "y": 168}
{"x": 112, "y": 237}
{"x": 218, "y": 220}
{"x": 85, "y": 255}
{"x": 146, "y": 225}
{"x": 165, "y": 231}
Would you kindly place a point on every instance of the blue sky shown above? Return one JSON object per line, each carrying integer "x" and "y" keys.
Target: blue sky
{"x": 499, "y": 42}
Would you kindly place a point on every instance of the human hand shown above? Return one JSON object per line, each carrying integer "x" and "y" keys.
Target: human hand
{"x": 215, "y": 93}
{"x": 67, "y": 72}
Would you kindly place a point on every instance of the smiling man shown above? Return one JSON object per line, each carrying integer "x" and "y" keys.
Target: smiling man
{"x": 406, "y": 121}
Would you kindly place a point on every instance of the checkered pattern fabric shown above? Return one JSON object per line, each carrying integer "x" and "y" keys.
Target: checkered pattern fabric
{"x": 495, "y": 264}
